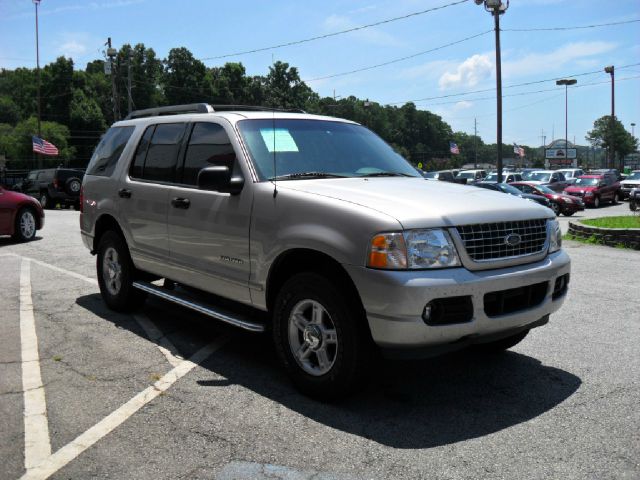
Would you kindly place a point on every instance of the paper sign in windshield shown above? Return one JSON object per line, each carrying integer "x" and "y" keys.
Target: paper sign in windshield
{"x": 278, "y": 140}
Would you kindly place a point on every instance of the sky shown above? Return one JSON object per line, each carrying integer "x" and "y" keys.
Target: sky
{"x": 428, "y": 61}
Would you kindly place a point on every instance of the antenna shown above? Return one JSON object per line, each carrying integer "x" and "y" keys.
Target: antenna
{"x": 275, "y": 175}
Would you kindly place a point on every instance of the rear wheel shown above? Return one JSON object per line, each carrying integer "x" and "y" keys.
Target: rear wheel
{"x": 616, "y": 198}
{"x": 321, "y": 337}
{"x": 116, "y": 274}
{"x": 45, "y": 200}
{"x": 26, "y": 225}
{"x": 502, "y": 344}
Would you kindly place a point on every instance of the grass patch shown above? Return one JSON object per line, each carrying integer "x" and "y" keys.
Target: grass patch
{"x": 627, "y": 221}
{"x": 57, "y": 358}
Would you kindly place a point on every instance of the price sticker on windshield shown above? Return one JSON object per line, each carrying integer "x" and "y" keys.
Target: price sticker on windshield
{"x": 278, "y": 140}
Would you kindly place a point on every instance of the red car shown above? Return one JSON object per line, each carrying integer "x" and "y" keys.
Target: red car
{"x": 20, "y": 215}
{"x": 595, "y": 189}
{"x": 560, "y": 203}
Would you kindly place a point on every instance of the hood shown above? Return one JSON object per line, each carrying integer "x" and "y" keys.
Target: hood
{"x": 417, "y": 203}
{"x": 580, "y": 188}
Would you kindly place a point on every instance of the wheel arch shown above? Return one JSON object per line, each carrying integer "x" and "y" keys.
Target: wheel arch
{"x": 105, "y": 223}
{"x": 300, "y": 260}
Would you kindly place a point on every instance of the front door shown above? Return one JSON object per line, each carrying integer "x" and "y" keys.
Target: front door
{"x": 209, "y": 231}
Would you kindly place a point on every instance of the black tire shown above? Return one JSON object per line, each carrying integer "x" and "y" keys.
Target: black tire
{"x": 556, "y": 208}
{"x": 596, "y": 202}
{"x": 348, "y": 357}
{"x": 633, "y": 206}
{"x": 501, "y": 345}
{"x": 72, "y": 186}
{"x": 615, "y": 199}
{"x": 25, "y": 226}
{"x": 116, "y": 274}
{"x": 568, "y": 213}
{"x": 46, "y": 201}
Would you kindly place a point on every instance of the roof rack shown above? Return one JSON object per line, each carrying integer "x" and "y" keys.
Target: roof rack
{"x": 204, "y": 108}
{"x": 171, "y": 110}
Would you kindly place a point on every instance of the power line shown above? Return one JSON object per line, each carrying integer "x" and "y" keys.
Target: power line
{"x": 581, "y": 27}
{"x": 399, "y": 59}
{"x": 328, "y": 35}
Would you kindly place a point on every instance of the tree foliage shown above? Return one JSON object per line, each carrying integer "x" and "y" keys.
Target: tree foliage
{"x": 613, "y": 136}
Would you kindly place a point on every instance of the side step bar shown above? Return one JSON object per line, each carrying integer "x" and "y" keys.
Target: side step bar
{"x": 199, "y": 307}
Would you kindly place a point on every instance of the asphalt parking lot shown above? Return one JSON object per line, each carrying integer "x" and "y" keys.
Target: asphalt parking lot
{"x": 165, "y": 393}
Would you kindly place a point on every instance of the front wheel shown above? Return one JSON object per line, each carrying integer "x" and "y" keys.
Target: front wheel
{"x": 556, "y": 208}
{"x": 616, "y": 198}
{"x": 502, "y": 344}
{"x": 596, "y": 202}
{"x": 26, "y": 225}
{"x": 116, "y": 274}
{"x": 321, "y": 337}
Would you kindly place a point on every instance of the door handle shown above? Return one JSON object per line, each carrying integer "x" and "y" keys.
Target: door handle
{"x": 124, "y": 193}
{"x": 181, "y": 203}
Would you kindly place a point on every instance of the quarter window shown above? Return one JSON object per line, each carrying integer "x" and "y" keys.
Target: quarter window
{"x": 209, "y": 145}
{"x": 105, "y": 158}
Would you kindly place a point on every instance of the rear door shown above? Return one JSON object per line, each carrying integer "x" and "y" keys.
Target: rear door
{"x": 209, "y": 231}
{"x": 143, "y": 199}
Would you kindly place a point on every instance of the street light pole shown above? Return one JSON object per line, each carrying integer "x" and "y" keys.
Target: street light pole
{"x": 497, "y": 8}
{"x": 566, "y": 82}
{"x": 611, "y": 71}
{"x": 36, "y": 3}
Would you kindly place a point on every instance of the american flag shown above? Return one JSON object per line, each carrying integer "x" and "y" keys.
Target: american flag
{"x": 453, "y": 148}
{"x": 518, "y": 150}
{"x": 43, "y": 147}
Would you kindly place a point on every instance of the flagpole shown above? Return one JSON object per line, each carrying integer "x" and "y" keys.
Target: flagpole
{"x": 37, "y": 2}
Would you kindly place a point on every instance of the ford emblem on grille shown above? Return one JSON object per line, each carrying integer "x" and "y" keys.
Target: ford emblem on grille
{"x": 513, "y": 239}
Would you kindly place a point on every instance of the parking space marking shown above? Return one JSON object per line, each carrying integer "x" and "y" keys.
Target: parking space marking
{"x": 84, "y": 278}
{"x": 37, "y": 445}
{"x": 73, "y": 449}
{"x": 156, "y": 336}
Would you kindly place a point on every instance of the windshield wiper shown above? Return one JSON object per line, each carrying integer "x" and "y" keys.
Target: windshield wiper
{"x": 294, "y": 176}
{"x": 387, "y": 174}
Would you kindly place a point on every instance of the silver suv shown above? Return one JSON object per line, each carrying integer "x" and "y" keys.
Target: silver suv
{"x": 318, "y": 223}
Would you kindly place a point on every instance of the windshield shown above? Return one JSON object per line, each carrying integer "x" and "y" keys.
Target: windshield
{"x": 506, "y": 188}
{"x": 466, "y": 175}
{"x": 305, "y": 149}
{"x": 587, "y": 182}
{"x": 539, "y": 177}
{"x": 492, "y": 177}
{"x": 544, "y": 189}
{"x": 634, "y": 176}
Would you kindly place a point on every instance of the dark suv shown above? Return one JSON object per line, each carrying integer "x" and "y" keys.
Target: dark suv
{"x": 54, "y": 185}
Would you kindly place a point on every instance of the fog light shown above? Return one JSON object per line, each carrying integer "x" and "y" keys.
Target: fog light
{"x": 426, "y": 313}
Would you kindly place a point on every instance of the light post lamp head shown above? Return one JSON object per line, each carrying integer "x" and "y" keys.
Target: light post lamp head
{"x": 566, "y": 81}
{"x": 610, "y": 69}
{"x": 494, "y": 6}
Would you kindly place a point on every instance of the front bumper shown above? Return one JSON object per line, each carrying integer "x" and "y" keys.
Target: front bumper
{"x": 394, "y": 302}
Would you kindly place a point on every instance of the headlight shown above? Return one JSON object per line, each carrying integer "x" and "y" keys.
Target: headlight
{"x": 413, "y": 249}
{"x": 566, "y": 200}
{"x": 555, "y": 235}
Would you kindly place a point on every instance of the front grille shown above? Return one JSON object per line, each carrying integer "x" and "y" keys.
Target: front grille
{"x": 575, "y": 194}
{"x": 514, "y": 300}
{"x": 488, "y": 241}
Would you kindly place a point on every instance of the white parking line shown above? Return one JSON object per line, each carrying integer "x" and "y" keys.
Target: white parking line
{"x": 84, "y": 278}
{"x": 156, "y": 336}
{"x": 73, "y": 449}
{"x": 37, "y": 446}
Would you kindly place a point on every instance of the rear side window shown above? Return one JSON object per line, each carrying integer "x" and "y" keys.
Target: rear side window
{"x": 162, "y": 154}
{"x": 209, "y": 145}
{"x": 105, "y": 158}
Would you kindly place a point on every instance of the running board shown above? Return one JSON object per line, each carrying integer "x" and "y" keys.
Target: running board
{"x": 199, "y": 307}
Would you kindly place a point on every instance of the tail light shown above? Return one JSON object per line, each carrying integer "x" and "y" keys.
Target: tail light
{"x": 81, "y": 199}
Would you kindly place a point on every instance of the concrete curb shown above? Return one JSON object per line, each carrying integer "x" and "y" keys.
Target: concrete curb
{"x": 613, "y": 237}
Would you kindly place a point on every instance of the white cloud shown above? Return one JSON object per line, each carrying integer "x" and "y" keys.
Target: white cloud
{"x": 535, "y": 63}
{"x": 373, "y": 36}
{"x": 72, "y": 48}
{"x": 432, "y": 69}
{"x": 462, "y": 105}
{"x": 469, "y": 73}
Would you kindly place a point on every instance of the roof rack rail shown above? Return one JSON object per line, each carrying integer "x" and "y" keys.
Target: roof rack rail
{"x": 171, "y": 110}
{"x": 257, "y": 108}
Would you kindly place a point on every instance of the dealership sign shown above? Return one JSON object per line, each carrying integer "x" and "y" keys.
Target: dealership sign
{"x": 557, "y": 153}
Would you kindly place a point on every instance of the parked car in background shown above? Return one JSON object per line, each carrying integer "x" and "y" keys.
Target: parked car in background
{"x": 470, "y": 176}
{"x": 442, "y": 175}
{"x": 629, "y": 183}
{"x": 560, "y": 203}
{"x": 571, "y": 174}
{"x": 507, "y": 177}
{"x": 506, "y": 188}
{"x": 595, "y": 189}
{"x": 54, "y": 186}
{"x": 607, "y": 171}
{"x": 20, "y": 215}
{"x": 526, "y": 172}
{"x": 551, "y": 178}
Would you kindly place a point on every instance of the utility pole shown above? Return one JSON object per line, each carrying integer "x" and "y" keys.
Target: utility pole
{"x": 130, "y": 99}
{"x": 112, "y": 52}
{"x": 475, "y": 140}
{"x": 612, "y": 154}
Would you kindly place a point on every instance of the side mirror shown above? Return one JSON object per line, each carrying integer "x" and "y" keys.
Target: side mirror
{"x": 219, "y": 179}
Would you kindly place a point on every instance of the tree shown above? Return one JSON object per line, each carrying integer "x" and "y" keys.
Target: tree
{"x": 87, "y": 123}
{"x": 9, "y": 112}
{"x": 185, "y": 79}
{"x": 57, "y": 90}
{"x": 285, "y": 89}
{"x": 613, "y": 136}
{"x": 21, "y": 145}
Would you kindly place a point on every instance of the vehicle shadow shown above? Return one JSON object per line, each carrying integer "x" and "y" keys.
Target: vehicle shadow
{"x": 6, "y": 240}
{"x": 408, "y": 405}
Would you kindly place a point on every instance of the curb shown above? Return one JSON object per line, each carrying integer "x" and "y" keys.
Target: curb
{"x": 612, "y": 237}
